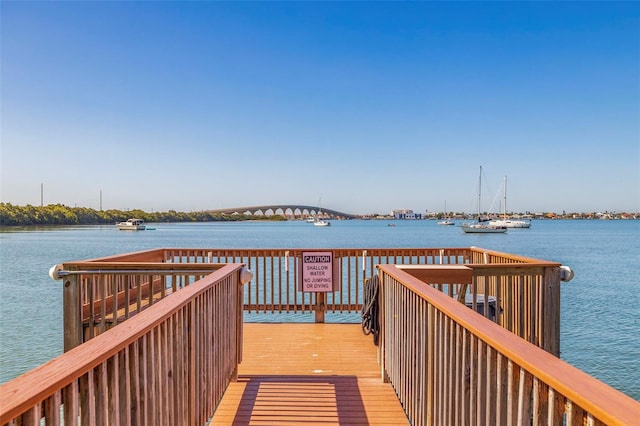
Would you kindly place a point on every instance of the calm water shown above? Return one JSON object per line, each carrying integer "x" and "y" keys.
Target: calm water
{"x": 600, "y": 330}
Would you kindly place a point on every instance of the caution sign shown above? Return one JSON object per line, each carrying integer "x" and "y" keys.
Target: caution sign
{"x": 317, "y": 271}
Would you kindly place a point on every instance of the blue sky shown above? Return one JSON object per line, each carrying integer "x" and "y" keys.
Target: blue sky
{"x": 370, "y": 106}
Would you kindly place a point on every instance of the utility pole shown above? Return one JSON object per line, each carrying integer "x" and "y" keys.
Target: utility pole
{"x": 41, "y": 194}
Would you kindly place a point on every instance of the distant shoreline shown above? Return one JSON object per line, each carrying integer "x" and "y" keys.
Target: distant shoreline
{"x": 58, "y": 214}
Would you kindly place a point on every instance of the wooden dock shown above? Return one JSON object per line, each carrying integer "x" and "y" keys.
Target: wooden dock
{"x": 188, "y": 356}
{"x": 320, "y": 374}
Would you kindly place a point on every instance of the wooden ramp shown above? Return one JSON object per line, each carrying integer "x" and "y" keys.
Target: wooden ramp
{"x": 312, "y": 374}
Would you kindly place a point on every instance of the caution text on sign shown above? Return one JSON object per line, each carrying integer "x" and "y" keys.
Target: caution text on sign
{"x": 317, "y": 271}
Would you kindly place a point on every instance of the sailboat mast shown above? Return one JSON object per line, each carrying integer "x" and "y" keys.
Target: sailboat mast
{"x": 479, "y": 190}
{"x": 505, "y": 199}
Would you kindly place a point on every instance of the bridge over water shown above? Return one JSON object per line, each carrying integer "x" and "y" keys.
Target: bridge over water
{"x": 288, "y": 210}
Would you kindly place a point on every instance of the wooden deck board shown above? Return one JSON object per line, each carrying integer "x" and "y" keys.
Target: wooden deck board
{"x": 318, "y": 374}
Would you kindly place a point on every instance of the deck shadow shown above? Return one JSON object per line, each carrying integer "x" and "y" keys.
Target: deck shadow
{"x": 296, "y": 399}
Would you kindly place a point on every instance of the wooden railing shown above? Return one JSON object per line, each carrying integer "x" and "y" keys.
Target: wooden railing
{"x": 274, "y": 290}
{"x": 450, "y": 365}
{"x": 524, "y": 292}
{"x": 99, "y": 295}
{"x": 169, "y": 365}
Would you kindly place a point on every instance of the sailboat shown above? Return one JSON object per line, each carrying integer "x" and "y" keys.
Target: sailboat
{"x": 479, "y": 227}
{"x": 505, "y": 221}
{"x": 318, "y": 221}
{"x": 321, "y": 222}
{"x": 446, "y": 220}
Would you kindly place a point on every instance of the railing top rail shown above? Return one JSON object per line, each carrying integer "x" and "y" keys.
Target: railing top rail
{"x": 447, "y": 267}
{"x": 153, "y": 255}
{"x": 101, "y": 267}
{"x": 603, "y": 401}
{"x": 511, "y": 266}
{"x": 33, "y": 386}
{"x": 302, "y": 249}
{"x": 519, "y": 258}
{"x": 115, "y": 264}
{"x": 159, "y": 254}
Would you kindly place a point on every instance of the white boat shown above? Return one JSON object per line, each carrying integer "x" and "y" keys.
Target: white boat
{"x": 480, "y": 227}
{"x": 446, "y": 220}
{"x": 505, "y": 221}
{"x": 317, "y": 220}
{"x": 511, "y": 223}
{"x": 132, "y": 225}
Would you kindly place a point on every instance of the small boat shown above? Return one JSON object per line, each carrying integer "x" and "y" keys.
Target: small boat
{"x": 511, "y": 223}
{"x": 317, "y": 220}
{"x": 446, "y": 220}
{"x": 505, "y": 221}
{"x": 132, "y": 225}
{"x": 479, "y": 227}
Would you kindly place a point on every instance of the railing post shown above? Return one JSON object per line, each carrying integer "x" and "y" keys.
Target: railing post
{"x": 193, "y": 374}
{"x": 382, "y": 323}
{"x": 71, "y": 312}
{"x": 551, "y": 302}
{"x": 320, "y": 307}
{"x": 239, "y": 328}
{"x": 244, "y": 277}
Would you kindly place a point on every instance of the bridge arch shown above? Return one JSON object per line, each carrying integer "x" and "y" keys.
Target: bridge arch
{"x": 289, "y": 210}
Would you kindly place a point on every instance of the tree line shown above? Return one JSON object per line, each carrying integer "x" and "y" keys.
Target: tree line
{"x": 59, "y": 214}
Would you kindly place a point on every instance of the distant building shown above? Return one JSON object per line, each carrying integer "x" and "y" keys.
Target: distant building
{"x": 406, "y": 214}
